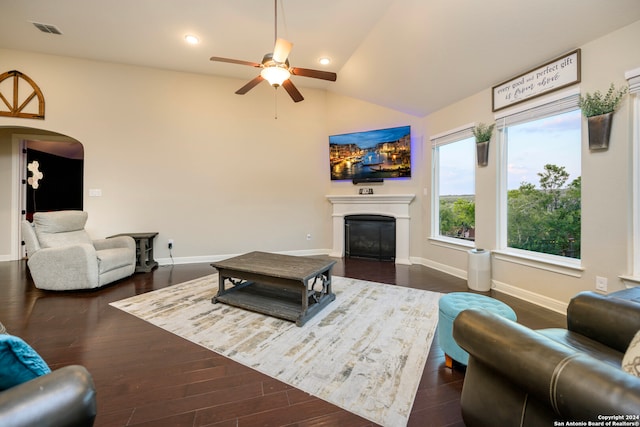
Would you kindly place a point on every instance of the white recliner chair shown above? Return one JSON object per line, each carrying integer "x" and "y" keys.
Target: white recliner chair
{"x": 62, "y": 256}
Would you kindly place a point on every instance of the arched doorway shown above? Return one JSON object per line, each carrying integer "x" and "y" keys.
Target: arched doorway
{"x": 55, "y": 172}
{"x": 60, "y": 160}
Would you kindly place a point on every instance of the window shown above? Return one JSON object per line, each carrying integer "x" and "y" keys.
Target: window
{"x": 633, "y": 77}
{"x": 541, "y": 179}
{"x": 454, "y": 185}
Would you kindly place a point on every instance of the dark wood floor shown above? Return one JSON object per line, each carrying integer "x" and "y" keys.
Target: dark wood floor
{"x": 146, "y": 376}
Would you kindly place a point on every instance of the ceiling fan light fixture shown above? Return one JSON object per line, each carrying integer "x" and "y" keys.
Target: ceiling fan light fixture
{"x": 275, "y": 75}
{"x": 275, "y": 68}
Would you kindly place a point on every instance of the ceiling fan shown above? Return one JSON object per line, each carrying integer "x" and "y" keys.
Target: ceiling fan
{"x": 276, "y": 69}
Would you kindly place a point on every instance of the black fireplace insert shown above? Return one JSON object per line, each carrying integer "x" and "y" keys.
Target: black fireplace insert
{"x": 370, "y": 236}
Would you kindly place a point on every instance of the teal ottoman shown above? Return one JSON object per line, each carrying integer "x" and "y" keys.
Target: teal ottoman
{"x": 450, "y": 305}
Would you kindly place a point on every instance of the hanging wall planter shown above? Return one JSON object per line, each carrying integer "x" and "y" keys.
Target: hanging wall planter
{"x": 598, "y": 110}
{"x": 482, "y": 133}
{"x": 482, "y": 153}
{"x": 599, "y": 131}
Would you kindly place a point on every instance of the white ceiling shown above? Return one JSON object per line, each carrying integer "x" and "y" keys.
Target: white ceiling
{"x": 415, "y": 56}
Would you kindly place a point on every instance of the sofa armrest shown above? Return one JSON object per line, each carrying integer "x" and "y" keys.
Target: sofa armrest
{"x": 66, "y": 267}
{"x": 115, "y": 243}
{"x": 65, "y": 397}
{"x": 29, "y": 237}
{"x": 608, "y": 320}
{"x": 574, "y": 384}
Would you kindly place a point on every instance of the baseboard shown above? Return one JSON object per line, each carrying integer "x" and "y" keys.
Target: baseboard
{"x": 216, "y": 258}
{"x": 528, "y": 296}
{"x": 456, "y": 272}
{"x": 532, "y": 297}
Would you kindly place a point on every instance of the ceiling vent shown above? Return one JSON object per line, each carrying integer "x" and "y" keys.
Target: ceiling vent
{"x": 47, "y": 28}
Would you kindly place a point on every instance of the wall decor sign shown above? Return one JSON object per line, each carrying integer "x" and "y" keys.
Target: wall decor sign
{"x": 555, "y": 74}
{"x": 21, "y": 96}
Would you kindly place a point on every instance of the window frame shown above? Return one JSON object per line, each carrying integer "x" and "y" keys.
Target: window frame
{"x": 449, "y": 137}
{"x": 547, "y": 106}
{"x": 633, "y": 78}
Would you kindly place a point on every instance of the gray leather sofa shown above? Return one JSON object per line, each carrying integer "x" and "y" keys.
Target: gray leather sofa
{"x": 520, "y": 377}
{"x": 62, "y": 256}
{"x": 64, "y": 398}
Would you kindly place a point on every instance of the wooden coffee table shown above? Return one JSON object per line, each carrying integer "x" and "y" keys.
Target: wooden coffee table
{"x": 288, "y": 287}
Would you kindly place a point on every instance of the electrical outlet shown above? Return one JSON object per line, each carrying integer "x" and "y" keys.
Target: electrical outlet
{"x": 601, "y": 284}
{"x": 309, "y": 236}
{"x": 170, "y": 244}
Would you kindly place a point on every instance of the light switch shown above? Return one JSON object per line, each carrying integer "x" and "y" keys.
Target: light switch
{"x": 95, "y": 192}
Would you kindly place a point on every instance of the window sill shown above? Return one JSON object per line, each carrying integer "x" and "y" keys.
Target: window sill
{"x": 555, "y": 264}
{"x": 451, "y": 243}
{"x": 630, "y": 281}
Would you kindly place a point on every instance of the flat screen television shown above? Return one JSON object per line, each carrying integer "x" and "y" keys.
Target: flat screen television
{"x": 373, "y": 154}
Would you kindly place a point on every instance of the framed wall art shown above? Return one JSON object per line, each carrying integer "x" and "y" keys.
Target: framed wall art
{"x": 551, "y": 76}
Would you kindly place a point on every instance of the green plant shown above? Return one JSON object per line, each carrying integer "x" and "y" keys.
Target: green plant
{"x": 483, "y": 132}
{"x": 596, "y": 104}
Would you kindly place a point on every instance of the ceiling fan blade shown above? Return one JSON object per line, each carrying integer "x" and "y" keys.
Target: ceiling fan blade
{"x": 234, "y": 61}
{"x": 316, "y": 74}
{"x": 293, "y": 92}
{"x": 281, "y": 50}
{"x": 246, "y": 88}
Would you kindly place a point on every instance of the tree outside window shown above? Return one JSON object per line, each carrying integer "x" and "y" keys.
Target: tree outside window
{"x": 455, "y": 188}
{"x": 544, "y": 185}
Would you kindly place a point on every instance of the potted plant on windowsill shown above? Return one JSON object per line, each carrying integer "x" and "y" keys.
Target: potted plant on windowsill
{"x": 599, "y": 109}
{"x": 482, "y": 133}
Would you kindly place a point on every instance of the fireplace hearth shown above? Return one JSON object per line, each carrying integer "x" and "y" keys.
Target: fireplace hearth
{"x": 370, "y": 236}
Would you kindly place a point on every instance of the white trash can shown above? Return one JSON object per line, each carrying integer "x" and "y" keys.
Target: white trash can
{"x": 479, "y": 270}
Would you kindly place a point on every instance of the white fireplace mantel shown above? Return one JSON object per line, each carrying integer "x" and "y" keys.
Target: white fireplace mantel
{"x": 393, "y": 205}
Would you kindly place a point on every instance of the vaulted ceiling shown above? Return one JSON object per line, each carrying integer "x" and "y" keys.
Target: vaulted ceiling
{"x": 415, "y": 56}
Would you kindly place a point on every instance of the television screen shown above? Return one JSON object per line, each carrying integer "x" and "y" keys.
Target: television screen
{"x": 382, "y": 153}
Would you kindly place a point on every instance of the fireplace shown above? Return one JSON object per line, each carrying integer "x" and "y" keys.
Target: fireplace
{"x": 370, "y": 236}
{"x": 395, "y": 206}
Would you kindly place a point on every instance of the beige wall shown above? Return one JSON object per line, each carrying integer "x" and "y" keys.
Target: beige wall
{"x": 5, "y": 194}
{"x": 350, "y": 115}
{"x": 183, "y": 155}
{"x": 606, "y": 186}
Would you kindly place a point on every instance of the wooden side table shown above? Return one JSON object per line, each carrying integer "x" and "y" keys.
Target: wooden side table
{"x": 144, "y": 250}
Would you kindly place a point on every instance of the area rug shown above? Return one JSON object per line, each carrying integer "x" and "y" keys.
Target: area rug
{"x": 364, "y": 352}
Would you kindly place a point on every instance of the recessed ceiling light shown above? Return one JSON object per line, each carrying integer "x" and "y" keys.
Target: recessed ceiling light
{"x": 324, "y": 60}
{"x": 191, "y": 39}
